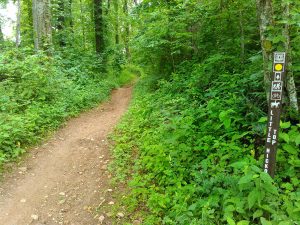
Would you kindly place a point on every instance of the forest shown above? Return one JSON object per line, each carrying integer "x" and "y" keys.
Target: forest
{"x": 190, "y": 149}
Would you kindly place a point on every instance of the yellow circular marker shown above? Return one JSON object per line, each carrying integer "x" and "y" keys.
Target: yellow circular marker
{"x": 278, "y": 67}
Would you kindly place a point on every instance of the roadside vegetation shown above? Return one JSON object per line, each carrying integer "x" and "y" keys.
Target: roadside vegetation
{"x": 56, "y": 63}
{"x": 192, "y": 143}
{"x": 38, "y": 93}
{"x": 198, "y": 160}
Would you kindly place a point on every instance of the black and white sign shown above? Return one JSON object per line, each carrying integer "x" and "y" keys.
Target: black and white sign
{"x": 279, "y": 57}
{"x": 274, "y": 112}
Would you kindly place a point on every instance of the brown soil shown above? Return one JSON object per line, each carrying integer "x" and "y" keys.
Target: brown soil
{"x": 62, "y": 181}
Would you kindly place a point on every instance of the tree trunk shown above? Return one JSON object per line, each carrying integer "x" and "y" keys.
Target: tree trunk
{"x": 27, "y": 29}
{"x": 70, "y": 15}
{"x": 290, "y": 82}
{"x": 18, "y": 27}
{"x": 1, "y": 35}
{"x": 82, "y": 24}
{"x": 116, "y": 7}
{"x": 127, "y": 30}
{"x": 265, "y": 18}
{"x": 61, "y": 21}
{"x": 98, "y": 19}
{"x": 107, "y": 7}
{"x": 42, "y": 24}
{"x": 242, "y": 34}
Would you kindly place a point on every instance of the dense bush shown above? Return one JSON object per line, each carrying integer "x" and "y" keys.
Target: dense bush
{"x": 195, "y": 145}
{"x": 194, "y": 135}
{"x": 39, "y": 92}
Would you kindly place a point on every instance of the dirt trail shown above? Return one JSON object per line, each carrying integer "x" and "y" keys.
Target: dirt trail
{"x": 61, "y": 182}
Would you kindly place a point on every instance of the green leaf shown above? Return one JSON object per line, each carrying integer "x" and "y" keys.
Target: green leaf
{"x": 297, "y": 140}
{"x": 253, "y": 197}
{"x": 230, "y": 208}
{"x": 278, "y": 38}
{"x": 268, "y": 208}
{"x": 257, "y": 213}
{"x": 243, "y": 222}
{"x": 266, "y": 177}
{"x": 225, "y": 118}
{"x": 192, "y": 207}
{"x": 270, "y": 188}
{"x": 227, "y": 123}
{"x": 263, "y": 119}
{"x": 230, "y": 221}
{"x": 285, "y": 125}
{"x": 290, "y": 149}
{"x": 239, "y": 136}
{"x": 285, "y": 137}
{"x": 256, "y": 169}
{"x": 239, "y": 164}
{"x": 285, "y": 223}
{"x": 295, "y": 162}
{"x": 246, "y": 179}
{"x": 264, "y": 221}
{"x": 268, "y": 183}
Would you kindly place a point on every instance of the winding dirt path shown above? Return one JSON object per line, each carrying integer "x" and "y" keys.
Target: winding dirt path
{"x": 61, "y": 182}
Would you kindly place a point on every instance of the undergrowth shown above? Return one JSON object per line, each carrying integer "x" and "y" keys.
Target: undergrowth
{"x": 39, "y": 92}
{"x": 192, "y": 149}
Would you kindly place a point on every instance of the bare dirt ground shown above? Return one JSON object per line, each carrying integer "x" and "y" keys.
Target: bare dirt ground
{"x": 63, "y": 180}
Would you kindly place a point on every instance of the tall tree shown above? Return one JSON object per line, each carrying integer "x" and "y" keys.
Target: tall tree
{"x": 242, "y": 34}
{"x": 127, "y": 29}
{"x": 291, "y": 87}
{"x": 1, "y": 34}
{"x": 116, "y": 9}
{"x": 61, "y": 20}
{"x": 26, "y": 29}
{"x": 70, "y": 15}
{"x": 42, "y": 24}
{"x": 82, "y": 21}
{"x": 265, "y": 18}
{"x": 108, "y": 6}
{"x": 18, "y": 27}
{"x": 98, "y": 20}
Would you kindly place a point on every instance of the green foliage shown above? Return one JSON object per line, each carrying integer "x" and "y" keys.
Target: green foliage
{"x": 193, "y": 138}
{"x": 39, "y": 92}
{"x": 173, "y": 31}
{"x": 191, "y": 148}
{"x": 128, "y": 75}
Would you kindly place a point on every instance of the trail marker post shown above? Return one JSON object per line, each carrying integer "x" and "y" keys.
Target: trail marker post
{"x": 275, "y": 105}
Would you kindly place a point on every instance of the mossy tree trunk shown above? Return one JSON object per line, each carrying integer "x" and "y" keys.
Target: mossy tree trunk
{"x": 265, "y": 19}
{"x": 42, "y": 24}
{"x": 98, "y": 20}
{"x": 18, "y": 25}
{"x": 1, "y": 34}
{"x": 116, "y": 9}
{"x": 127, "y": 29}
{"x": 61, "y": 24}
{"x": 290, "y": 82}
